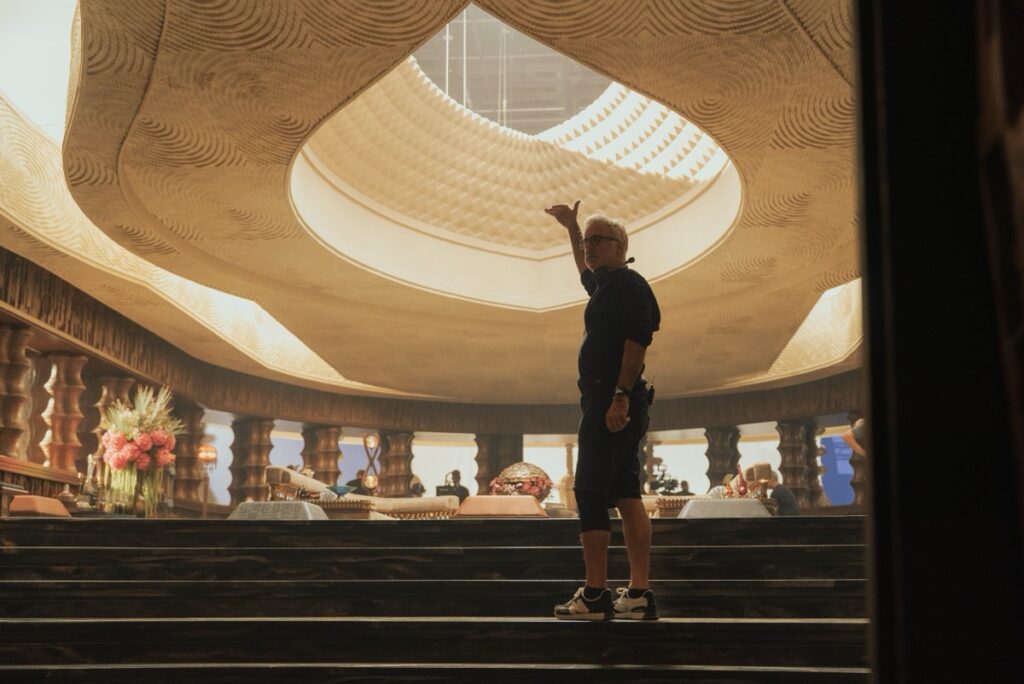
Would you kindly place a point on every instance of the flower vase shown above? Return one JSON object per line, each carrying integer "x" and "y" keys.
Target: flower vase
{"x": 138, "y": 508}
{"x": 124, "y": 489}
{"x": 151, "y": 488}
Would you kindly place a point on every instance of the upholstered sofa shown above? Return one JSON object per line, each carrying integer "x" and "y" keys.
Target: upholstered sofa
{"x": 285, "y": 485}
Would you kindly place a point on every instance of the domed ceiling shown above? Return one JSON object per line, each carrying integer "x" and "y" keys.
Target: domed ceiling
{"x": 453, "y": 189}
{"x": 278, "y": 188}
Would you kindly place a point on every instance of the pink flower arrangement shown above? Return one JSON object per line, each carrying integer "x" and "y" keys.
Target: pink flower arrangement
{"x": 142, "y": 448}
{"x": 138, "y": 445}
{"x": 538, "y": 487}
{"x": 140, "y": 434}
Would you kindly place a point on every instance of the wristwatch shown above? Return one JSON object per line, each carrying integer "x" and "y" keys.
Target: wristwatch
{"x": 620, "y": 391}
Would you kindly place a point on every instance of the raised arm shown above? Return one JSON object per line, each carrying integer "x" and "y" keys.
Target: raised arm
{"x": 567, "y": 216}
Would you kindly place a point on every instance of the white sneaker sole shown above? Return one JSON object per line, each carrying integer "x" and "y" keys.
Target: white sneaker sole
{"x": 634, "y": 616}
{"x": 583, "y": 616}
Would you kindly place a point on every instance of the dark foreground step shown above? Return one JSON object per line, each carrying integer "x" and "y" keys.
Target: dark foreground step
{"x": 457, "y": 532}
{"x": 326, "y": 563}
{"x": 415, "y": 598}
{"x": 672, "y": 641}
{"x": 426, "y": 673}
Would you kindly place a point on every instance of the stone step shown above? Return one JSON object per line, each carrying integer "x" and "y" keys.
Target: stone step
{"x": 437, "y": 533}
{"x": 762, "y": 643}
{"x": 327, "y": 563}
{"x": 415, "y": 598}
{"x": 430, "y": 673}
{"x": 426, "y": 673}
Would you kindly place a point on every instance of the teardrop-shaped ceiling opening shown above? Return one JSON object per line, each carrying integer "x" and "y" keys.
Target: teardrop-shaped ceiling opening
{"x": 506, "y": 76}
{"x": 408, "y": 183}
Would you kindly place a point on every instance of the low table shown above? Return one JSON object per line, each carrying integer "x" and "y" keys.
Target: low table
{"x": 512, "y": 506}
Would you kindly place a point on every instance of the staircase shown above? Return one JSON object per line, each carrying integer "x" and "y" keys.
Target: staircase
{"x": 749, "y": 600}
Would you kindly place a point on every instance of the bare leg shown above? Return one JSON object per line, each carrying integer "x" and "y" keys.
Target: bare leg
{"x": 595, "y": 556}
{"x": 636, "y": 528}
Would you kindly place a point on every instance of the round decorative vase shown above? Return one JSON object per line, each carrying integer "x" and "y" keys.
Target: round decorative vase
{"x": 522, "y": 478}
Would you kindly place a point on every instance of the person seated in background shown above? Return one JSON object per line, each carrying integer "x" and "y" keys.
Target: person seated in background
{"x": 357, "y": 484}
{"x": 453, "y": 483}
{"x": 764, "y": 480}
{"x": 684, "y": 488}
{"x": 784, "y": 496}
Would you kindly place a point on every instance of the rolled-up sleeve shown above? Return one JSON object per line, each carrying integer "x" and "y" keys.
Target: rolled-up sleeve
{"x": 638, "y": 312}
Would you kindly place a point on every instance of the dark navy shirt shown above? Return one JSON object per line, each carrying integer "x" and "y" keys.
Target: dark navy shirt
{"x": 622, "y": 307}
{"x": 787, "y": 501}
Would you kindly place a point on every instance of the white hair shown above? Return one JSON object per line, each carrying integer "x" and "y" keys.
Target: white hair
{"x": 617, "y": 229}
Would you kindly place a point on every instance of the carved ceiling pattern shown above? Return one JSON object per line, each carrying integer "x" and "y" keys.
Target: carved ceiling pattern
{"x": 187, "y": 116}
{"x": 40, "y": 221}
{"x": 423, "y": 156}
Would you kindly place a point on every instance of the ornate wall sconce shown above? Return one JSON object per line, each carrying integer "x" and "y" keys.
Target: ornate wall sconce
{"x": 371, "y": 443}
{"x": 207, "y": 458}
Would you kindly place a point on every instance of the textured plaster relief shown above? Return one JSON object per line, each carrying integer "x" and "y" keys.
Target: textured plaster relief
{"x": 47, "y": 227}
{"x": 831, "y": 333}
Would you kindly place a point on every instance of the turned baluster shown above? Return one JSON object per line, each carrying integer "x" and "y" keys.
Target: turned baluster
{"x": 62, "y": 414}
{"x": 15, "y": 391}
{"x": 494, "y": 453}
{"x": 326, "y": 454}
{"x": 793, "y": 466}
{"x": 250, "y": 456}
{"x": 723, "y": 454}
{"x": 189, "y": 472}
{"x": 395, "y": 464}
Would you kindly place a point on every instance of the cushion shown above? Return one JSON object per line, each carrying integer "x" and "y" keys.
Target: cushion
{"x": 28, "y": 505}
{"x": 739, "y": 507}
{"x": 500, "y": 507}
{"x": 277, "y": 510}
{"x": 415, "y": 507}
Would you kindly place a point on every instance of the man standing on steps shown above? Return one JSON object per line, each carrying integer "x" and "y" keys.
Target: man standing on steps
{"x": 620, "y": 320}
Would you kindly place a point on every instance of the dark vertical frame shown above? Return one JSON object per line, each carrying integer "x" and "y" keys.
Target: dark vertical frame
{"x": 945, "y": 537}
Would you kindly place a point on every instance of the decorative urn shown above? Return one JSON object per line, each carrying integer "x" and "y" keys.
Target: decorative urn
{"x": 522, "y": 479}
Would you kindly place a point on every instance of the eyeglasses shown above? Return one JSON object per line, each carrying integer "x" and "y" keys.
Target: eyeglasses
{"x": 595, "y": 240}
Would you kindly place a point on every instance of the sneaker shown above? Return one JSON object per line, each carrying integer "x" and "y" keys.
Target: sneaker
{"x": 579, "y": 608}
{"x": 643, "y": 608}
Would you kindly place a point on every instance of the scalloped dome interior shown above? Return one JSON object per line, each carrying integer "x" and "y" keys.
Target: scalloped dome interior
{"x": 409, "y": 184}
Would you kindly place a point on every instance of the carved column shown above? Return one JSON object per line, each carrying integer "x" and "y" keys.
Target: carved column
{"x": 27, "y": 445}
{"x": 793, "y": 466}
{"x": 89, "y": 431}
{"x": 112, "y": 388}
{"x": 62, "y": 414}
{"x": 15, "y": 391}
{"x": 723, "y": 456}
{"x": 812, "y": 466}
{"x": 74, "y": 387}
{"x": 494, "y": 453}
{"x": 5, "y": 337}
{"x": 395, "y": 464}
{"x": 309, "y": 441}
{"x": 250, "y": 456}
{"x": 859, "y": 481}
{"x": 189, "y": 473}
{"x": 326, "y": 454}
{"x": 40, "y": 399}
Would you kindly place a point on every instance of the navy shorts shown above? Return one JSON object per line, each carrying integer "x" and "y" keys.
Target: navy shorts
{"x": 609, "y": 462}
